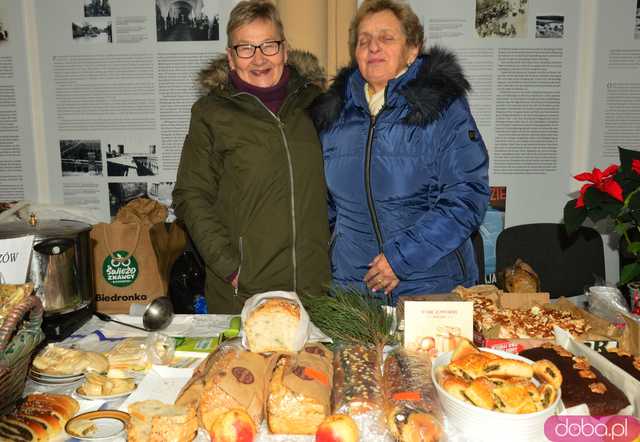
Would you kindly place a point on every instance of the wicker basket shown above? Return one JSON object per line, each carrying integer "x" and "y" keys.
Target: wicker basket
{"x": 16, "y": 348}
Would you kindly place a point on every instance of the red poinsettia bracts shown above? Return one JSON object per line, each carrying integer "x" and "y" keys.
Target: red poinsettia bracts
{"x": 604, "y": 182}
{"x": 635, "y": 166}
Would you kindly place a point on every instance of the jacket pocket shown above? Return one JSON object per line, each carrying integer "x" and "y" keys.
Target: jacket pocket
{"x": 241, "y": 251}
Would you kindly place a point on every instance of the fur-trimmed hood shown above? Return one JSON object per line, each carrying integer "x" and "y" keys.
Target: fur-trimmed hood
{"x": 215, "y": 77}
{"x": 438, "y": 82}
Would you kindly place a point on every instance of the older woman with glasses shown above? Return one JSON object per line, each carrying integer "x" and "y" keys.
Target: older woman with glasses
{"x": 406, "y": 167}
{"x": 250, "y": 186}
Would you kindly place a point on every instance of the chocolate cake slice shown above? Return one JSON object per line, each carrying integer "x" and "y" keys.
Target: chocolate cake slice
{"x": 624, "y": 360}
{"x": 581, "y": 384}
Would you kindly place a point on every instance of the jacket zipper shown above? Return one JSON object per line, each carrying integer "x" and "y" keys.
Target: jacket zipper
{"x": 291, "y": 181}
{"x": 241, "y": 248}
{"x": 367, "y": 183}
{"x": 461, "y": 262}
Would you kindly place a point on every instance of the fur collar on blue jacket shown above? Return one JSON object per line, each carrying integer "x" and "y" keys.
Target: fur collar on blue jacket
{"x": 439, "y": 81}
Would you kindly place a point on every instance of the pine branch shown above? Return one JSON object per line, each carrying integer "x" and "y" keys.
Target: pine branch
{"x": 350, "y": 316}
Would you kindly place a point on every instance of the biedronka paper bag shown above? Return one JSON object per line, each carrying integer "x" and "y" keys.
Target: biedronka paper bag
{"x": 125, "y": 266}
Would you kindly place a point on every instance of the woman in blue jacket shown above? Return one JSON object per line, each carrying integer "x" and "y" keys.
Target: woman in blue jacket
{"x": 405, "y": 165}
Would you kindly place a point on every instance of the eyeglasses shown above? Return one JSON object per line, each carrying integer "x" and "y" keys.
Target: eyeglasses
{"x": 267, "y": 48}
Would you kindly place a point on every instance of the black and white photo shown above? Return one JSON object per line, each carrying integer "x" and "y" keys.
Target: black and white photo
{"x": 80, "y": 157}
{"x": 636, "y": 34}
{"x": 187, "y": 20}
{"x": 501, "y": 18}
{"x": 549, "y": 26}
{"x": 131, "y": 159}
{"x": 4, "y": 33}
{"x": 161, "y": 192}
{"x": 120, "y": 194}
{"x": 97, "y": 8}
{"x": 92, "y": 31}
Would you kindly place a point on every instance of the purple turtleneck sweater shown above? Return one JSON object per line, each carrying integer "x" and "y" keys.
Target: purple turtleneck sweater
{"x": 272, "y": 96}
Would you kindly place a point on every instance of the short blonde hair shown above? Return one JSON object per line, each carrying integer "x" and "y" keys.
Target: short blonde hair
{"x": 413, "y": 29}
{"x": 248, "y": 11}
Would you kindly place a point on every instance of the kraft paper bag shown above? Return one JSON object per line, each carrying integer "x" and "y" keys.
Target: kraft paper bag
{"x": 125, "y": 266}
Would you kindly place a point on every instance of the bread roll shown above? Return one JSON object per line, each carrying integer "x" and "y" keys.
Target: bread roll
{"x": 154, "y": 421}
{"x": 272, "y": 326}
{"x": 64, "y": 406}
{"x": 36, "y": 428}
{"x": 300, "y": 391}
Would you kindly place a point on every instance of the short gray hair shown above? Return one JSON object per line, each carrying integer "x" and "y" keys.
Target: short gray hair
{"x": 411, "y": 26}
{"x": 248, "y": 11}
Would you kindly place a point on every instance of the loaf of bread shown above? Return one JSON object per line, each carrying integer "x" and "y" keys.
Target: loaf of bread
{"x": 40, "y": 417}
{"x": 357, "y": 380}
{"x": 272, "y": 326}
{"x": 300, "y": 391}
{"x": 230, "y": 378}
{"x": 154, "y": 421}
{"x": 412, "y": 409}
{"x": 581, "y": 383}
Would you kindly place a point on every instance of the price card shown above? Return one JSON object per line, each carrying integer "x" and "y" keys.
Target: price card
{"x": 435, "y": 327}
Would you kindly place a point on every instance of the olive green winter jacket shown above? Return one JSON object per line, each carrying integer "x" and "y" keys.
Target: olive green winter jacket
{"x": 251, "y": 191}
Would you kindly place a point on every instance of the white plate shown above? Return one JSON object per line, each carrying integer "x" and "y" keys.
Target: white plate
{"x": 104, "y": 398}
{"x": 55, "y": 383}
{"x": 43, "y": 374}
{"x": 109, "y": 423}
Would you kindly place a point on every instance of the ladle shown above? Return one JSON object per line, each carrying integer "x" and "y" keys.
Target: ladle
{"x": 157, "y": 316}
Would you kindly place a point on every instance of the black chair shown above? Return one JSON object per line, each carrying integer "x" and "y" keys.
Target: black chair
{"x": 478, "y": 249}
{"x": 565, "y": 264}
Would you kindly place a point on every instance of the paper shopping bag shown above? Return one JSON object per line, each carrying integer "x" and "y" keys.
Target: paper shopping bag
{"x": 125, "y": 266}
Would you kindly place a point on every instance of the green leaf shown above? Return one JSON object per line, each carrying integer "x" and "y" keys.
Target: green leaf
{"x": 634, "y": 248}
{"x": 621, "y": 228}
{"x": 633, "y": 200}
{"x": 596, "y": 200}
{"x": 629, "y": 273}
{"x": 573, "y": 217}
{"x": 627, "y": 156}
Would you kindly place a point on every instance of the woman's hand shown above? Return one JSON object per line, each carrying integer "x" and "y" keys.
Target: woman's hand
{"x": 380, "y": 275}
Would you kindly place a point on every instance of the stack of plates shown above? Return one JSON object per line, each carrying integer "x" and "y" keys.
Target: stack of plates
{"x": 56, "y": 380}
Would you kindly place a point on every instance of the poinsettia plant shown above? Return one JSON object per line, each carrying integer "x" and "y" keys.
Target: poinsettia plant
{"x": 612, "y": 193}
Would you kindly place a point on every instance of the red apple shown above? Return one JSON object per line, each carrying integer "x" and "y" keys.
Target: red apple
{"x": 233, "y": 426}
{"x": 338, "y": 428}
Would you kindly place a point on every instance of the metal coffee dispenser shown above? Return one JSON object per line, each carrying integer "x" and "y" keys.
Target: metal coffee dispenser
{"x": 60, "y": 269}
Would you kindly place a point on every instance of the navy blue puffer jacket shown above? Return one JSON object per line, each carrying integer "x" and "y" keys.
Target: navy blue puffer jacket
{"x": 411, "y": 183}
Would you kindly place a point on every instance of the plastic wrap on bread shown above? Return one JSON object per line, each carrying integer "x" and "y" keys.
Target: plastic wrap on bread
{"x": 275, "y": 322}
{"x": 300, "y": 391}
{"x": 412, "y": 408}
{"x": 230, "y": 378}
{"x": 357, "y": 387}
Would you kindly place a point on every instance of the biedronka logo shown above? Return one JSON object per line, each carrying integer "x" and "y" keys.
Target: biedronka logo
{"x": 120, "y": 269}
